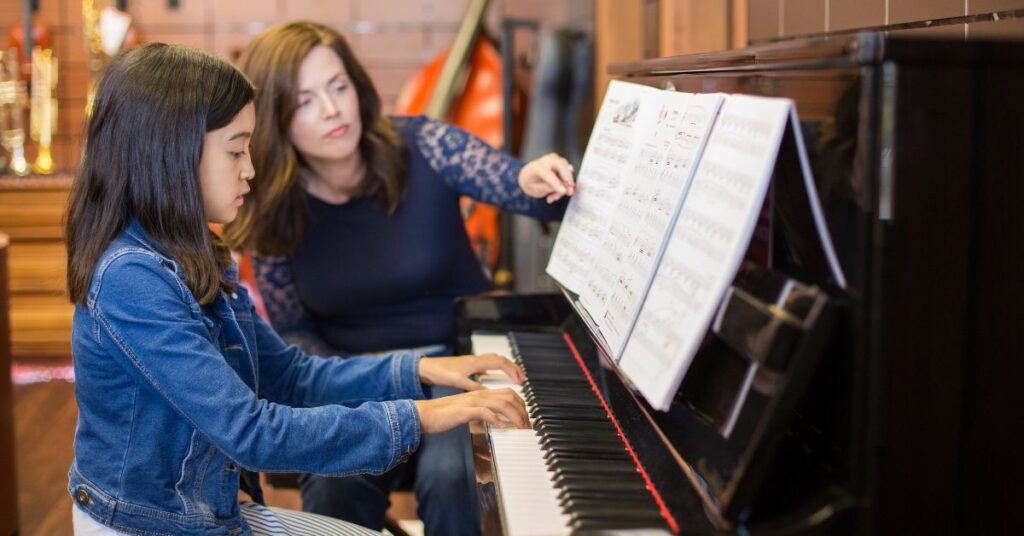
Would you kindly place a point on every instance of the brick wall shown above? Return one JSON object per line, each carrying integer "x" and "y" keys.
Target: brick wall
{"x": 392, "y": 37}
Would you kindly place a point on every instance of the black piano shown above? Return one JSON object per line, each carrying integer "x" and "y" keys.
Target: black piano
{"x": 886, "y": 407}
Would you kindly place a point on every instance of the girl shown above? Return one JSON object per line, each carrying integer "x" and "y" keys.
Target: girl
{"x": 180, "y": 385}
{"x": 358, "y": 239}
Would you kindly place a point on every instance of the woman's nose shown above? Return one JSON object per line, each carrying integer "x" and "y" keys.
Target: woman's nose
{"x": 330, "y": 108}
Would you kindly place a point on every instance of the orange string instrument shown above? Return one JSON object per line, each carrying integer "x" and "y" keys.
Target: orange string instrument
{"x": 463, "y": 86}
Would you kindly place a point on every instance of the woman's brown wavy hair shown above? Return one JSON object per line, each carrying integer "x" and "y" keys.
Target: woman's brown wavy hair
{"x": 272, "y": 221}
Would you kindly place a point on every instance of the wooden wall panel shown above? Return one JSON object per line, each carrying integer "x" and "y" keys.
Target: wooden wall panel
{"x": 32, "y": 214}
{"x": 694, "y": 26}
{"x": 620, "y": 35}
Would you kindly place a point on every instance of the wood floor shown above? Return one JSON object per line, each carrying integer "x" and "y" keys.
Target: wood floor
{"x": 45, "y": 415}
{"x": 44, "y": 419}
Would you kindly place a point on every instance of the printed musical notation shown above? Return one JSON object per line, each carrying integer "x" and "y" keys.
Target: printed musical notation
{"x": 577, "y": 247}
{"x": 706, "y": 244}
{"x": 661, "y": 176}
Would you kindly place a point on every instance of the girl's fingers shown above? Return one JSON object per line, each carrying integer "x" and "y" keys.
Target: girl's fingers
{"x": 514, "y": 408}
{"x": 506, "y": 403}
{"x": 488, "y": 416}
{"x": 467, "y": 384}
{"x": 495, "y": 361}
{"x": 512, "y": 370}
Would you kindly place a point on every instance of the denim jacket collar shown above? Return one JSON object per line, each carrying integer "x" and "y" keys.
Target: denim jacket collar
{"x": 137, "y": 232}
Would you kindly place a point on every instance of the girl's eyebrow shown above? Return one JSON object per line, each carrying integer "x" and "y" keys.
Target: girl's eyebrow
{"x": 243, "y": 134}
{"x": 330, "y": 81}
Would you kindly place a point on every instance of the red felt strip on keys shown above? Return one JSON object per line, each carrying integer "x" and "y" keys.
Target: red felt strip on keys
{"x": 629, "y": 448}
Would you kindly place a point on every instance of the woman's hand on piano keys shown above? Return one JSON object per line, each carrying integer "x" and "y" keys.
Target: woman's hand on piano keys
{"x": 549, "y": 176}
{"x": 457, "y": 371}
{"x": 499, "y": 407}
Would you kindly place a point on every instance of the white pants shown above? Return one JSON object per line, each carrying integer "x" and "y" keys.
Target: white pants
{"x": 264, "y": 521}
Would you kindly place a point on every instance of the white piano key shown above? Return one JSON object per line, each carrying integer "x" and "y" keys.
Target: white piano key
{"x": 529, "y": 499}
{"x": 497, "y": 344}
{"x": 491, "y": 344}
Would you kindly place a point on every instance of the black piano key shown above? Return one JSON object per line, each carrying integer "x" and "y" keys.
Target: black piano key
{"x": 620, "y": 470}
{"x": 623, "y": 464}
{"x": 599, "y": 484}
{"x": 615, "y": 511}
{"x": 592, "y": 457}
{"x": 554, "y": 451}
{"x": 570, "y": 436}
{"x": 608, "y": 496}
{"x": 569, "y": 412}
{"x": 610, "y": 522}
{"x": 564, "y": 439}
{"x": 617, "y": 519}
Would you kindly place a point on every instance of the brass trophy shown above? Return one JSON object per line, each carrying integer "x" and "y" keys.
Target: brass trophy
{"x": 12, "y": 111}
{"x": 94, "y": 48}
{"x": 43, "y": 117}
{"x": 107, "y": 31}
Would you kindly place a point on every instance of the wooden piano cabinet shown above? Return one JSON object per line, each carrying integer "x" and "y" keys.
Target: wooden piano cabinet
{"x": 32, "y": 215}
{"x": 8, "y": 483}
{"x": 484, "y": 473}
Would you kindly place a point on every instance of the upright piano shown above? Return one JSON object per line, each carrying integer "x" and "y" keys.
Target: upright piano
{"x": 888, "y": 406}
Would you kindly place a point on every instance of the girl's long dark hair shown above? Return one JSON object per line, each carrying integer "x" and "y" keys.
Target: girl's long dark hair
{"x": 152, "y": 110}
{"x": 272, "y": 219}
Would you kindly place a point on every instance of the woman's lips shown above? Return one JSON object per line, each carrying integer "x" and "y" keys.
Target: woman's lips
{"x": 337, "y": 132}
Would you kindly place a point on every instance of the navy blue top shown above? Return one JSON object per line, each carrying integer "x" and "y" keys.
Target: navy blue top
{"x": 364, "y": 280}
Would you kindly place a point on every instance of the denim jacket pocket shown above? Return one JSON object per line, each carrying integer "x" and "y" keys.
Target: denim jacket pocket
{"x": 209, "y": 480}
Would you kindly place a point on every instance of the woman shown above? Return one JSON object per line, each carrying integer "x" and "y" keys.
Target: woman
{"x": 179, "y": 384}
{"x": 358, "y": 239}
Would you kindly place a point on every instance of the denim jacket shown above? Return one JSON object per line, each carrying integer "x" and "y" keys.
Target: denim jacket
{"x": 175, "y": 398}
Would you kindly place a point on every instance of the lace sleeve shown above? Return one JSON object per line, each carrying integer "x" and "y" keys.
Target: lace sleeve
{"x": 475, "y": 169}
{"x": 286, "y": 313}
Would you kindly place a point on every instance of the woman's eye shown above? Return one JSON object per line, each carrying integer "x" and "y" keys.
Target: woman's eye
{"x": 237, "y": 154}
{"x": 304, "y": 102}
{"x": 340, "y": 88}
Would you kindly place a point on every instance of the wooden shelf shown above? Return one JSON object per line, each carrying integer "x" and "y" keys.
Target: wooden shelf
{"x": 32, "y": 214}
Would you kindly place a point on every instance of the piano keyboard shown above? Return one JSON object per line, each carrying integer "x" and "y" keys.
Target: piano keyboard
{"x": 571, "y": 472}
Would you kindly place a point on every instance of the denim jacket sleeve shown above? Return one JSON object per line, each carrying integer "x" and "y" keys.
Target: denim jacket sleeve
{"x": 289, "y": 375}
{"x": 158, "y": 337}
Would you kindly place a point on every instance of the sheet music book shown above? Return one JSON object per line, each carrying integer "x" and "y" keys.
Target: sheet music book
{"x": 626, "y": 111}
{"x": 638, "y": 163}
{"x": 669, "y": 193}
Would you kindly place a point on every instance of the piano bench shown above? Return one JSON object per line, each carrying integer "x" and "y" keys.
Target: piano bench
{"x": 403, "y": 500}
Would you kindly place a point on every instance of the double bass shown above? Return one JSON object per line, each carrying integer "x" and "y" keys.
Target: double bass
{"x": 462, "y": 85}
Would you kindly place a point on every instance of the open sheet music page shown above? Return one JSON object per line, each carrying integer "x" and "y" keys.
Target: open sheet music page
{"x": 706, "y": 245}
{"x": 577, "y": 248}
{"x": 656, "y": 184}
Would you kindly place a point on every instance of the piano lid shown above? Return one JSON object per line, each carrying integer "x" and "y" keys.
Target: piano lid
{"x": 836, "y": 51}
